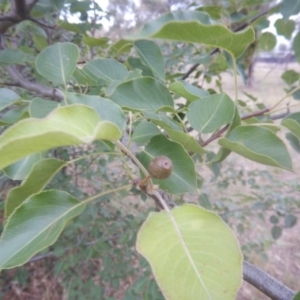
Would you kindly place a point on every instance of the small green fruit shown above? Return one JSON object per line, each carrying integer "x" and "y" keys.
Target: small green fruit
{"x": 160, "y": 167}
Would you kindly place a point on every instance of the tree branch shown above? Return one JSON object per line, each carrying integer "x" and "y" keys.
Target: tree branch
{"x": 266, "y": 284}
{"x": 33, "y": 86}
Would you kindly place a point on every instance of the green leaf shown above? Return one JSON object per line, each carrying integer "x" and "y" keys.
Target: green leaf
{"x": 121, "y": 47}
{"x": 193, "y": 27}
{"x": 143, "y": 132}
{"x": 210, "y": 113}
{"x": 57, "y": 62}
{"x": 20, "y": 169}
{"x": 292, "y": 122}
{"x": 7, "y": 98}
{"x": 285, "y": 28}
{"x": 106, "y": 109}
{"x": 294, "y": 141}
{"x": 74, "y": 27}
{"x": 69, "y": 125}
{"x": 289, "y": 8}
{"x": 106, "y": 69}
{"x": 143, "y": 94}
{"x": 92, "y": 42}
{"x": 258, "y": 144}
{"x": 35, "y": 225}
{"x": 290, "y": 221}
{"x": 267, "y": 41}
{"x": 136, "y": 63}
{"x": 10, "y": 56}
{"x": 187, "y": 90}
{"x": 296, "y": 46}
{"x": 151, "y": 56}
{"x": 39, "y": 176}
{"x": 40, "y": 42}
{"x": 187, "y": 141}
{"x": 162, "y": 120}
{"x": 183, "y": 177}
{"x": 190, "y": 250}
{"x": 276, "y": 232}
{"x": 290, "y": 76}
{"x": 14, "y": 115}
{"x": 40, "y": 108}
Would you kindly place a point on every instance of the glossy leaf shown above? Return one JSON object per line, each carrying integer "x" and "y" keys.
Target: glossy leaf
{"x": 189, "y": 250}
{"x": 57, "y": 62}
{"x": 106, "y": 69}
{"x": 151, "y": 56}
{"x": 7, "y": 97}
{"x": 258, "y": 144}
{"x": 35, "y": 225}
{"x": 69, "y": 125}
{"x": 106, "y": 108}
{"x": 292, "y": 122}
{"x": 39, "y": 176}
{"x": 193, "y": 27}
{"x": 20, "y": 169}
{"x": 142, "y": 94}
{"x": 187, "y": 141}
{"x": 40, "y": 108}
{"x": 187, "y": 90}
{"x": 210, "y": 113}
{"x": 183, "y": 178}
{"x": 143, "y": 132}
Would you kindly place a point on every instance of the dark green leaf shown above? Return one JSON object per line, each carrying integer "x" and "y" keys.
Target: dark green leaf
{"x": 296, "y": 46}
{"x": 143, "y": 94}
{"x": 144, "y": 132}
{"x": 187, "y": 90}
{"x": 267, "y": 41}
{"x": 7, "y": 97}
{"x": 289, "y": 8}
{"x": 193, "y": 27}
{"x": 106, "y": 69}
{"x": 38, "y": 177}
{"x": 183, "y": 177}
{"x": 276, "y": 232}
{"x": 290, "y": 76}
{"x": 57, "y": 62}
{"x": 292, "y": 122}
{"x": 290, "y": 221}
{"x": 285, "y": 28}
{"x": 258, "y": 144}
{"x": 35, "y": 225}
{"x": 210, "y": 113}
{"x": 20, "y": 169}
{"x": 151, "y": 56}
{"x": 40, "y": 108}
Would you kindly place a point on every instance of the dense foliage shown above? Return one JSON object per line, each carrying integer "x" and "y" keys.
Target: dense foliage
{"x": 83, "y": 116}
